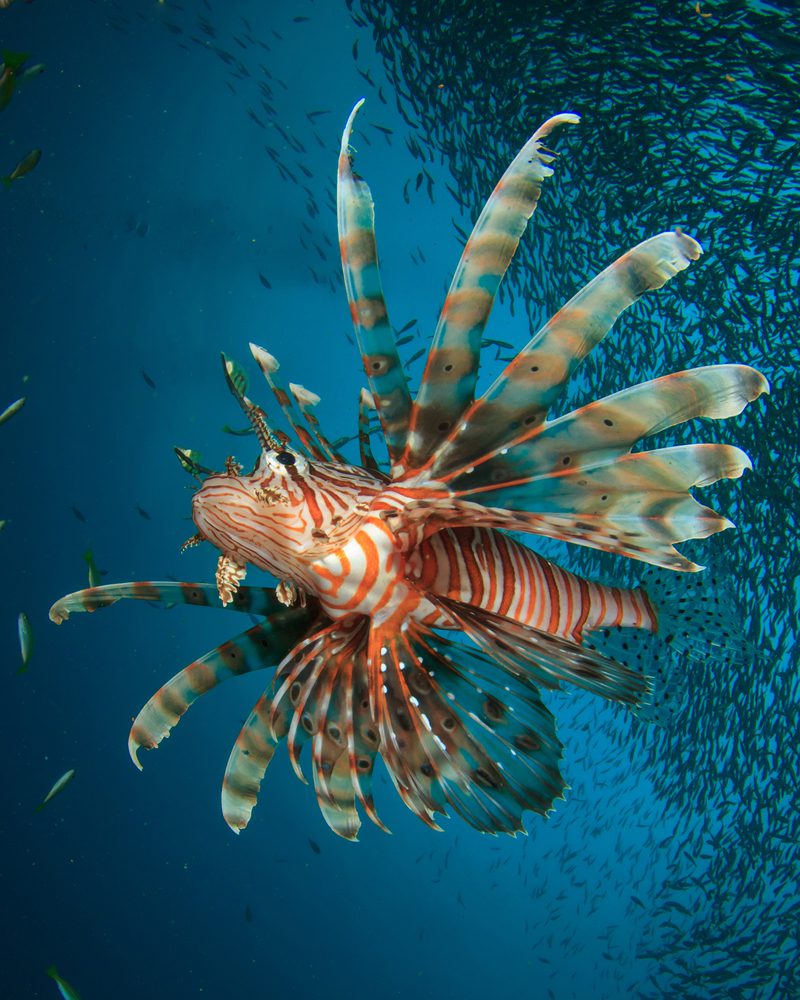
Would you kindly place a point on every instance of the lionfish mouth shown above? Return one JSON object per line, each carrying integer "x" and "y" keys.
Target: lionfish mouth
{"x": 217, "y": 494}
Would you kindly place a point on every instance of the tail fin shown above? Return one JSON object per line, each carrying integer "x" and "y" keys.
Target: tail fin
{"x": 698, "y": 622}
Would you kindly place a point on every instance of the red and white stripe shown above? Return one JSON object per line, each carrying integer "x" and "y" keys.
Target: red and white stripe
{"x": 490, "y": 570}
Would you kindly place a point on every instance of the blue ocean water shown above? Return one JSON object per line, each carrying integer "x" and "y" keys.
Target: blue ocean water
{"x": 184, "y": 206}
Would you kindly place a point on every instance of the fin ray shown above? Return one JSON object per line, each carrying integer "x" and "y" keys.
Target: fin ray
{"x": 263, "y": 645}
{"x": 535, "y": 378}
{"x": 451, "y": 370}
{"x": 376, "y": 339}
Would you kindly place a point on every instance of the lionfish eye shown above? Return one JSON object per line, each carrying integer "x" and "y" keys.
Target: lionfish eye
{"x": 285, "y": 458}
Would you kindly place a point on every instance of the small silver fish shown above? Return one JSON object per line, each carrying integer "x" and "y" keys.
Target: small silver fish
{"x": 31, "y": 71}
{"x": 25, "y": 641}
{"x": 25, "y": 165}
{"x": 59, "y": 786}
{"x": 9, "y": 411}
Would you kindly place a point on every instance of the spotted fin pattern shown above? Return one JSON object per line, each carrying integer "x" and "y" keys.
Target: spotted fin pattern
{"x": 454, "y": 734}
{"x": 506, "y": 715}
{"x": 451, "y": 370}
{"x": 449, "y": 732}
{"x": 362, "y": 282}
{"x": 607, "y": 429}
{"x": 262, "y": 646}
{"x": 638, "y": 506}
{"x": 545, "y": 659}
{"x": 577, "y": 477}
{"x": 520, "y": 398}
{"x": 312, "y": 699}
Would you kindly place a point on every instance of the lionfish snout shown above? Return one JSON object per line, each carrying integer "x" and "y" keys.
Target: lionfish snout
{"x": 223, "y": 510}
{"x": 237, "y": 515}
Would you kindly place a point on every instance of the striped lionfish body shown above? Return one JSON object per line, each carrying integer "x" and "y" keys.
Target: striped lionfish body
{"x": 408, "y": 624}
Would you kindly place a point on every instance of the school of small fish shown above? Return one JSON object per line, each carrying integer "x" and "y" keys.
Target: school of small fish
{"x": 709, "y": 96}
{"x": 13, "y": 73}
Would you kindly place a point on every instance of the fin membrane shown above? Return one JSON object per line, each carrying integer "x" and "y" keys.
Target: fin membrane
{"x": 452, "y": 730}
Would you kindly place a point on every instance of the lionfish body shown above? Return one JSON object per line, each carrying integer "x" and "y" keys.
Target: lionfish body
{"x": 385, "y": 572}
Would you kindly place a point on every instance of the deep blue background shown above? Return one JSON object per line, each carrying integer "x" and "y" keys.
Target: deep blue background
{"x": 136, "y": 244}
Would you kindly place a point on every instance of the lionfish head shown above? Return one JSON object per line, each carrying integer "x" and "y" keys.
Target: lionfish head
{"x": 260, "y": 518}
{"x": 257, "y": 518}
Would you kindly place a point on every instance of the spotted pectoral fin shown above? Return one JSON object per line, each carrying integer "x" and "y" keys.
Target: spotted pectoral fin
{"x": 638, "y": 505}
{"x": 506, "y": 715}
{"x": 453, "y": 731}
{"x": 262, "y": 646}
{"x": 458, "y": 733}
{"x": 318, "y": 697}
{"x": 547, "y": 660}
{"x": 254, "y": 600}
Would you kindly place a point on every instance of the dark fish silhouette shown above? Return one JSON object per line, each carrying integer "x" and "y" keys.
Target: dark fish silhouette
{"x": 314, "y": 846}
{"x": 143, "y": 513}
{"x": 147, "y": 379}
{"x": 25, "y": 165}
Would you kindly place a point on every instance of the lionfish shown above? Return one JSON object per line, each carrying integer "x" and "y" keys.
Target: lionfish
{"x": 409, "y": 623}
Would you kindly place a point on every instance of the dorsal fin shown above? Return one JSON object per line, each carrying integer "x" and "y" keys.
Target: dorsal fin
{"x": 451, "y": 371}
{"x": 362, "y": 282}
